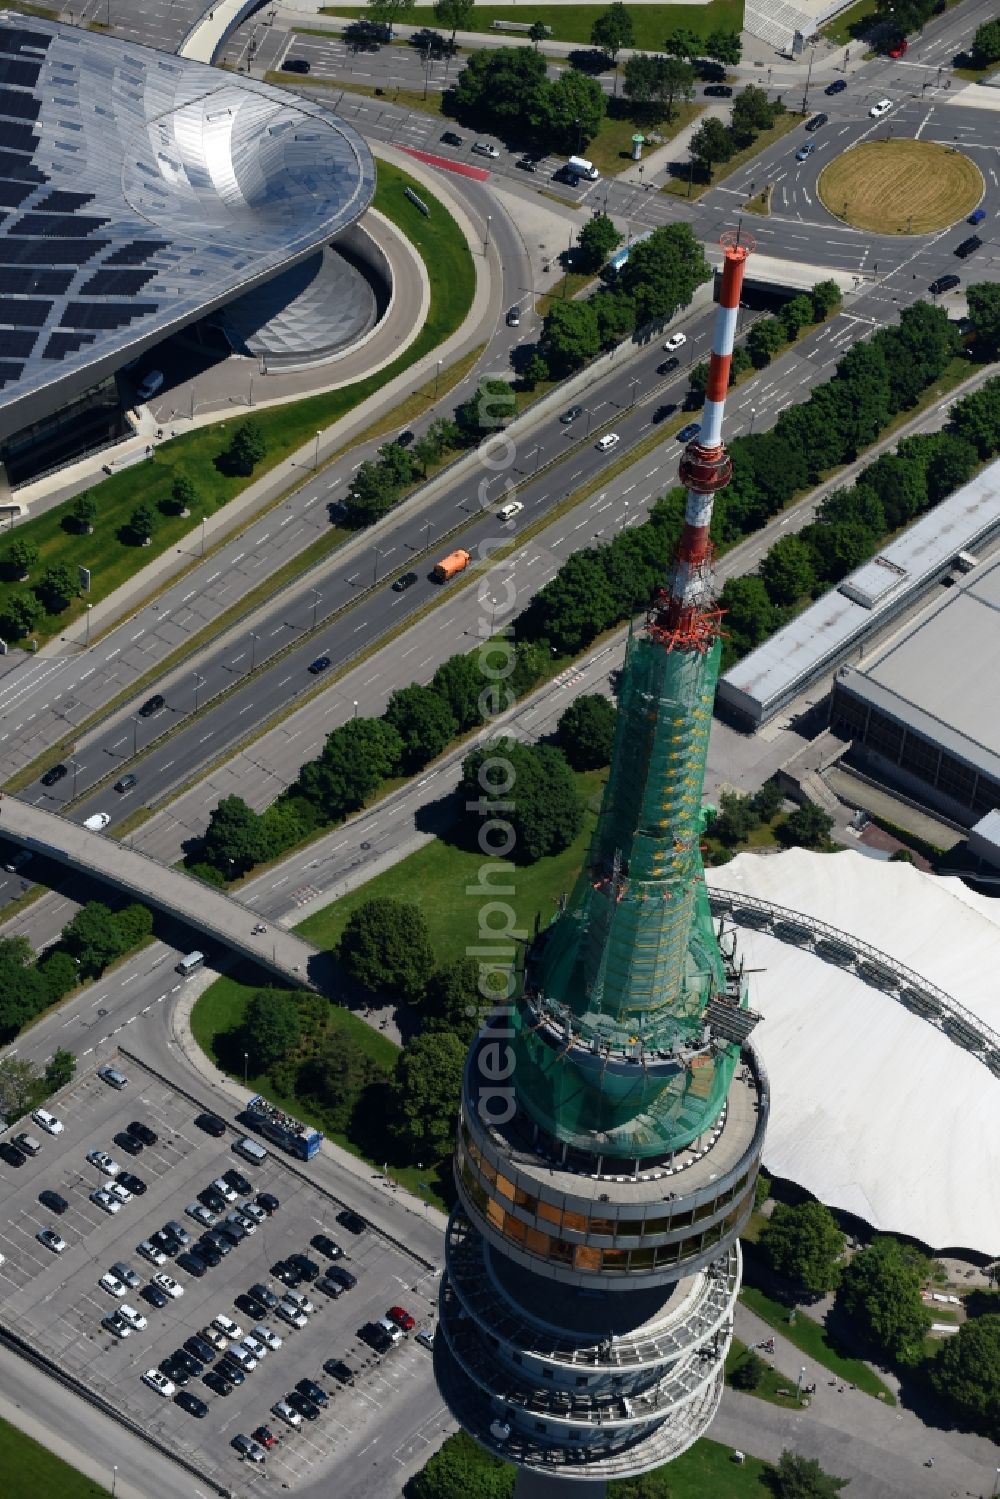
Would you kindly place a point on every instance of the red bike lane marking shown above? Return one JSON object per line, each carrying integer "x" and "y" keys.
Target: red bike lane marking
{"x": 478, "y": 174}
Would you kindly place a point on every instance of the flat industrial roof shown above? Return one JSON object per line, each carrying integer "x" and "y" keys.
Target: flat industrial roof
{"x": 823, "y": 634}
{"x": 139, "y": 191}
{"x": 938, "y": 677}
{"x": 873, "y": 1109}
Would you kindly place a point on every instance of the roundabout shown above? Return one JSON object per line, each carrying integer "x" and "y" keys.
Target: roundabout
{"x": 900, "y": 186}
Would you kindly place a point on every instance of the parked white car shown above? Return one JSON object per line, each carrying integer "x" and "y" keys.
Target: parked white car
{"x": 267, "y": 1337}
{"x": 112, "y": 1284}
{"x": 48, "y": 1122}
{"x": 160, "y": 1383}
{"x": 103, "y": 1162}
{"x": 256, "y": 1349}
{"x": 132, "y": 1317}
{"x": 289, "y": 1312}
{"x": 880, "y": 108}
{"x": 230, "y": 1329}
{"x": 114, "y": 1324}
{"x": 285, "y": 1412}
{"x": 674, "y": 342}
{"x": 150, "y": 1252}
{"x": 106, "y": 1201}
{"x": 115, "y": 1189}
{"x": 168, "y": 1284}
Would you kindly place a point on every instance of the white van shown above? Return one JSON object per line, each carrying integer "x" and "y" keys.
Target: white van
{"x": 583, "y": 168}
{"x": 250, "y": 1151}
{"x": 187, "y": 965}
{"x": 607, "y": 442}
{"x": 98, "y": 822}
{"x": 132, "y": 1317}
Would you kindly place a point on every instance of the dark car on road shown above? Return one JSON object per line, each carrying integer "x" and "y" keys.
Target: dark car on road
{"x": 128, "y": 1143}
{"x": 526, "y": 164}
{"x": 211, "y": 1125}
{"x": 154, "y": 1296}
{"x": 208, "y": 1250}
{"x": 943, "y": 283}
{"x": 133, "y": 1184}
{"x": 213, "y": 1199}
{"x": 52, "y": 1200}
{"x": 306, "y": 1408}
{"x": 326, "y": 1246}
{"x": 265, "y": 1294}
{"x": 449, "y": 138}
{"x": 406, "y": 581}
{"x": 690, "y": 431}
{"x": 286, "y": 1273}
{"x": 341, "y": 1372}
{"x": 296, "y": 65}
{"x": 662, "y": 412}
{"x": 249, "y": 1304}
{"x": 237, "y": 1181}
{"x": 718, "y": 91}
{"x": 836, "y": 87}
{"x": 192, "y": 1263}
{"x": 126, "y": 783}
{"x": 11, "y": 1154}
{"x": 141, "y": 1132}
{"x": 320, "y": 664}
{"x": 311, "y": 1390}
{"x": 191, "y": 1403}
{"x": 570, "y": 415}
{"x": 376, "y": 1337}
{"x": 307, "y": 1268}
{"x": 54, "y": 774}
{"x": 353, "y": 1222}
{"x": 816, "y": 121}
{"x": 200, "y": 1348}
{"x": 968, "y": 246}
{"x": 230, "y": 1370}
{"x": 152, "y": 705}
{"x": 668, "y": 365}
{"x": 346, "y": 1279}
{"x": 217, "y": 1382}
{"x": 268, "y": 1202}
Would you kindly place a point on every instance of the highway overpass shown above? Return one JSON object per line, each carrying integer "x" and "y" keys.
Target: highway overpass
{"x": 213, "y": 916}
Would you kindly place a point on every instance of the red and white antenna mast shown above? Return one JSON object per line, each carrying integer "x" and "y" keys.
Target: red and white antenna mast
{"x": 686, "y": 611}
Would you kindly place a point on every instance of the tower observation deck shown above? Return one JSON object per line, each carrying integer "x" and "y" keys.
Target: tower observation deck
{"x": 613, "y": 1118}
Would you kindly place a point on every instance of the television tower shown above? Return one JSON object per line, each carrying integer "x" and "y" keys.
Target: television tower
{"x": 613, "y": 1118}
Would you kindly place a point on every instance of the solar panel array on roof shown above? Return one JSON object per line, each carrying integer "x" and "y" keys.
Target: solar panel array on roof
{"x": 55, "y": 226}
{"x": 20, "y": 73}
{"x": 61, "y": 344}
{"x": 136, "y": 253}
{"x": 116, "y": 283}
{"x": 24, "y": 313}
{"x": 13, "y": 194}
{"x": 9, "y": 373}
{"x": 16, "y": 343}
{"x": 58, "y": 251}
{"x": 19, "y": 106}
{"x": 20, "y": 168}
{"x": 63, "y": 202}
{"x": 21, "y": 281}
{"x": 103, "y": 314}
{"x": 17, "y": 137}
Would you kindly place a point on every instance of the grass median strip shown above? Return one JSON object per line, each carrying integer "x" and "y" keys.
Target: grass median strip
{"x": 31, "y": 1471}
{"x": 391, "y": 94}
{"x": 574, "y": 23}
{"x": 682, "y": 184}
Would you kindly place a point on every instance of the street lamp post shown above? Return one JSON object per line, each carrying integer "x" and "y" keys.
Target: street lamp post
{"x": 316, "y": 453}
{"x": 805, "y": 96}
{"x": 375, "y": 561}
{"x": 199, "y": 682}
{"x": 135, "y": 734}
{"x": 76, "y": 768}
{"x": 486, "y": 241}
{"x": 316, "y": 598}
{"x": 437, "y": 378}
{"x": 632, "y": 389}
{"x": 114, "y": 1480}
{"x": 589, "y": 415}
{"x": 254, "y": 637}
{"x": 800, "y": 1382}
{"x": 427, "y": 534}
{"x": 355, "y": 707}
{"x": 87, "y": 641}
{"x": 246, "y": 1059}
{"x": 753, "y": 413}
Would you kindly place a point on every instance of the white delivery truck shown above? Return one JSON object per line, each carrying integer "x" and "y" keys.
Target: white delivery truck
{"x": 583, "y": 168}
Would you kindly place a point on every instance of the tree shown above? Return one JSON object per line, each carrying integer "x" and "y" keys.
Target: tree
{"x": 654, "y": 83}
{"x": 20, "y": 1085}
{"x": 863, "y": 369}
{"x": 762, "y": 1186}
{"x": 538, "y": 31}
{"x": 586, "y": 731}
{"x": 59, "y": 1069}
{"x": 142, "y": 522}
{"x": 803, "y": 1244}
{"x": 271, "y": 1028}
{"x": 539, "y": 800}
{"x": 135, "y": 925}
{"x": 354, "y": 761}
{"x": 612, "y": 31}
{"x": 59, "y": 974}
{"x": 570, "y": 336}
{"x": 750, "y": 616}
{"x": 337, "y": 1076}
{"x": 535, "y": 371}
{"x": 736, "y": 819}
{"x": 880, "y": 1292}
{"x": 966, "y": 1372}
{"x": 983, "y": 302}
{"x": 397, "y": 464}
{"x": 985, "y": 47}
{"x": 567, "y": 112}
{"x": 386, "y": 947}
{"x": 826, "y": 298}
{"x": 57, "y": 585}
{"x": 387, "y": 12}
{"x": 424, "y": 722}
{"x": 183, "y": 495}
{"x": 93, "y": 938}
{"x": 724, "y": 46}
{"x": 84, "y": 512}
{"x": 662, "y": 272}
{"x": 492, "y": 407}
{"x": 370, "y": 493}
{"x": 460, "y": 682}
{"x": 917, "y": 349}
{"x": 454, "y": 1000}
{"x": 424, "y": 452}
{"x": 752, "y": 111}
{"x": 574, "y": 606}
{"x": 596, "y": 240}
{"x": 234, "y": 840}
{"x": 501, "y": 84}
{"x": 796, "y": 315}
{"x": 798, "y": 1477}
{"x": 461, "y": 1469}
{"x": 20, "y": 613}
{"x": 427, "y": 1093}
{"x": 454, "y": 13}
{"x": 22, "y": 556}
{"x": 749, "y": 1372}
{"x": 807, "y": 827}
{"x": 711, "y": 143}
{"x": 247, "y": 447}
{"x": 764, "y": 340}
{"x": 787, "y": 571}
{"x": 683, "y": 43}
{"x": 976, "y": 418}
{"x": 616, "y": 317}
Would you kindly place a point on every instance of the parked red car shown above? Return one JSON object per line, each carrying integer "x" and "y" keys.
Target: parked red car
{"x": 401, "y": 1317}
{"x": 898, "y": 48}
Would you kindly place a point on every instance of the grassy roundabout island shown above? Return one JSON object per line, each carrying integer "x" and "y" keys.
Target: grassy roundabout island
{"x": 900, "y": 186}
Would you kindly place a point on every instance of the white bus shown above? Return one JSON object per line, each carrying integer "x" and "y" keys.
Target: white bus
{"x": 187, "y": 965}
{"x": 583, "y": 168}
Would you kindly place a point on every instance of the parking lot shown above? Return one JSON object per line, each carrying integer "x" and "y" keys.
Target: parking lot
{"x": 56, "y": 1302}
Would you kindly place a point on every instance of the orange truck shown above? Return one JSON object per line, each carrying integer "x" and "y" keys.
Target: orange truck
{"x": 454, "y": 563}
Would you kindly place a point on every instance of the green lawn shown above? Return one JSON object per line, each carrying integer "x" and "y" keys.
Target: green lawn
{"x": 31, "y": 1471}
{"x": 679, "y": 187}
{"x": 408, "y": 98}
{"x": 812, "y": 1338}
{"x": 435, "y": 878}
{"x": 850, "y": 24}
{"x": 611, "y": 148}
{"x": 771, "y": 1380}
{"x": 573, "y": 23}
{"x": 112, "y": 555}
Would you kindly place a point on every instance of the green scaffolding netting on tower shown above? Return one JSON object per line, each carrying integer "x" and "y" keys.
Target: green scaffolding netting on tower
{"x": 631, "y": 964}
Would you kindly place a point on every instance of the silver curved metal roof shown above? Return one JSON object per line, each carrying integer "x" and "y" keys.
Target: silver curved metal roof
{"x": 138, "y": 191}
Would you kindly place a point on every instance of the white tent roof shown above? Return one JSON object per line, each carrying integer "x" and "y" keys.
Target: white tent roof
{"x": 874, "y": 1110}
